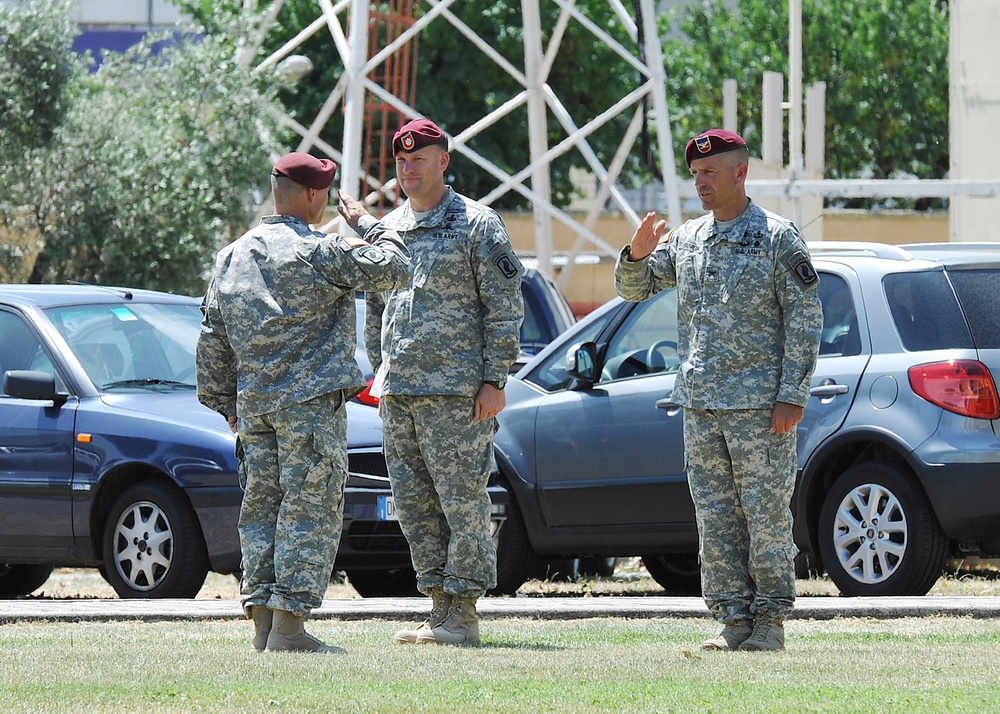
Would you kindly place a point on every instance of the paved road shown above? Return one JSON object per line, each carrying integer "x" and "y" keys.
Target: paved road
{"x": 406, "y": 609}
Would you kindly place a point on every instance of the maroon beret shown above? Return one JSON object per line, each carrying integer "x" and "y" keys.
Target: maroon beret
{"x": 306, "y": 169}
{"x": 416, "y": 135}
{"x": 713, "y": 141}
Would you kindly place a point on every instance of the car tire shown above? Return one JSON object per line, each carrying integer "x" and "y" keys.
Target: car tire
{"x": 515, "y": 556}
{"x": 677, "y": 573}
{"x": 17, "y": 580}
{"x": 152, "y": 544}
{"x": 397, "y": 582}
{"x": 901, "y": 553}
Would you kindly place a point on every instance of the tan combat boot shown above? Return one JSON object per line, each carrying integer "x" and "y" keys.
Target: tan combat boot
{"x": 423, "y": 634}
{"x": 262, "y": 619}
{"x": 288, "y": 634}
{"x": 731, "y": 637}
{"x": 461, "y": 626}
{"x": 768, "y": 635}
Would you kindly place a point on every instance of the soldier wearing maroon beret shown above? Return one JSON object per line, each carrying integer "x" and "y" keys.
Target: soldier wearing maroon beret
{"x": 749, "y": 323}
{"x": 275, "y": 357}
{"x": 444, "y": 345}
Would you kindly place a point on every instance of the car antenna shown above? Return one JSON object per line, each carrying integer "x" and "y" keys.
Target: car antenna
{"x": 125, "y": 292}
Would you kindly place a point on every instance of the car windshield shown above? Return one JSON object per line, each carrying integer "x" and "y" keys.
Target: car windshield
{"x": 133, "y": 346}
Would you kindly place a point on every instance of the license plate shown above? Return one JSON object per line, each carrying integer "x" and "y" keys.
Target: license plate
{"x": 386, "y": 508}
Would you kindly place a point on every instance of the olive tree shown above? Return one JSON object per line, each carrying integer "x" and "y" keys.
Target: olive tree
{"x": 157, "y": 158}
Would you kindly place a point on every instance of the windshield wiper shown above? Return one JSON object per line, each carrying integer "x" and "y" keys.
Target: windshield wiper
{"x": 146, "y": 382}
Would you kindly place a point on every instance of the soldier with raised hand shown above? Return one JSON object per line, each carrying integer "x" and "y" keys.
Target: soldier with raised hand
{"x": 276, "y": 358}
{"x": 749, "y": 324}
{"x": 442, "y": 347}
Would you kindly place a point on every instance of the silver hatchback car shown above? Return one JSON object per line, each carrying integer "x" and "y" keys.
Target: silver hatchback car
{"x": 899, "y": 454}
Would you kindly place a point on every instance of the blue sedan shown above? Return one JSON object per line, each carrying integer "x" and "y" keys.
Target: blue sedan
{"x": 108, "y": 460}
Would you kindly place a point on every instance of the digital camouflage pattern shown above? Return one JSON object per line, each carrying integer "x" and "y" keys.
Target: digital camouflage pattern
{"x": 748, "y": 310}
{"x": 442, "y": 491}
{"x": 279, "y": 314}
{"x": 276, "y": 349}
{"x": 740, "y": 474}
{"x": 433, "y": 343}
{"x": 458, "y": 322}
{"x": 292, "y": 513}
{"x": 749, "y": 325}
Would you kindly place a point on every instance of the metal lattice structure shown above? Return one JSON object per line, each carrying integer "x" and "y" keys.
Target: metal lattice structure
{"x": 378, "y": 69}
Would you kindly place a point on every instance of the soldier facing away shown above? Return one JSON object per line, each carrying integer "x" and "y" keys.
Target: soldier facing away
{"x": 749, "y": 324}
{"x": 276, "y": 358}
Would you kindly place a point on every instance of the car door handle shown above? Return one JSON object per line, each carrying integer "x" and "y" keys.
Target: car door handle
{"x": 824, "y": 391}
{"x": 669, "y": 404}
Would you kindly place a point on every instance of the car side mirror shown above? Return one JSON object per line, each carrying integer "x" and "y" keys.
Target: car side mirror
{"x": 30, "y": 384}
{"x": 581, "y": 362}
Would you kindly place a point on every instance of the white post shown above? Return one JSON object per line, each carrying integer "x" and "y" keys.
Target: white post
{"x": 354, "y": 99}
{"x": 537, "y": 130}
{"x": 795, "y": 99}
{"x": 815, "y": 158}
{"x": 772, "y": 119}
{"x": 729, "y": 114}
{"x": 654, "y": 61}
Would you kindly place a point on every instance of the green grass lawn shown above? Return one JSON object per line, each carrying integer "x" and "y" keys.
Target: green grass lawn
{"x": 935, "y": 664}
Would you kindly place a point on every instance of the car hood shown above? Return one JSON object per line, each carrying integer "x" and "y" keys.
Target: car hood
{"x": 364, "y": 426}
{"x": 180, "y": 407}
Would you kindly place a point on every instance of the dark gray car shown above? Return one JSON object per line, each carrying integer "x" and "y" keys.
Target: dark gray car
{"x": 898, "y": 452}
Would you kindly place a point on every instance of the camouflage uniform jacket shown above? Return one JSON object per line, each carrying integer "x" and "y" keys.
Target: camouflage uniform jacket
{"x": 748, "y": 310}
{"x": 458, "y": 322}
{"x": 279, "y": 314}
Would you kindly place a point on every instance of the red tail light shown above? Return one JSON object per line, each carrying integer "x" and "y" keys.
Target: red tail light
{"x": 965, "y": 387}
{"x": 366, "y": 396}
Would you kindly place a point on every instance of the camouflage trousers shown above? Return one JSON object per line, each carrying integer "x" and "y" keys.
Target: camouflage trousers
{"x": 293, "y": 470}
{"x": 439, "y": 462}
{"x": 741, "y": 479}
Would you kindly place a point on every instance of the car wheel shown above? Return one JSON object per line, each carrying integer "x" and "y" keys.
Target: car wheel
{"x": 878, "y": 534}
{"x": 18, "y": 580}
{"x": 397, "y": 582}
{"x": 153, "y": 547}
{"x": 677, "y": 573}
{"x": 514, "y": 553}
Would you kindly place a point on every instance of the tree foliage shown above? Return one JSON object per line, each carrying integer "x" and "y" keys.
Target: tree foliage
{"x": 457, "y": 84}
{"x": 151, "y": 162}
{"x": 884, "y": 62}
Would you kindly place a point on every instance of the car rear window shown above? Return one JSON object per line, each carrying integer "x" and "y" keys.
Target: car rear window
{"x": 926, "y": 311}
{"x": 979, "y": 292}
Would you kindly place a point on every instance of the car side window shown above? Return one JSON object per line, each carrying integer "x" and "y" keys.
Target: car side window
{"x": 646, "y": 342}
{"x": 926, "y": 311}
{"x": 841, "y": 336}
{"x": 21, "y": 349}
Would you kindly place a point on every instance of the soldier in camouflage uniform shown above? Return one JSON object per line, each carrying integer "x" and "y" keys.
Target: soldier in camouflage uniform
{"x": 749, "y": 322}
{"x": 276, "y": 358}
{"x": 442, "y": 346}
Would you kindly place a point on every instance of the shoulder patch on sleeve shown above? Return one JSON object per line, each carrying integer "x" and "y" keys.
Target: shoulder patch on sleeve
{"x": 505, "y": 263}
{"x": 801, "y": 266}
{"x": 665, "y": 238}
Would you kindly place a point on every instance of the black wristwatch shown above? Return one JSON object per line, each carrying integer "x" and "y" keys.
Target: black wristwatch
{"x": 497, "y": 383}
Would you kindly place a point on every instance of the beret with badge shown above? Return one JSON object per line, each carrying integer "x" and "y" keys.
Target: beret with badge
{"x": 711, "y": 142}
{"x": 306, "y": 169}
{"x": 416, "y": 135}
